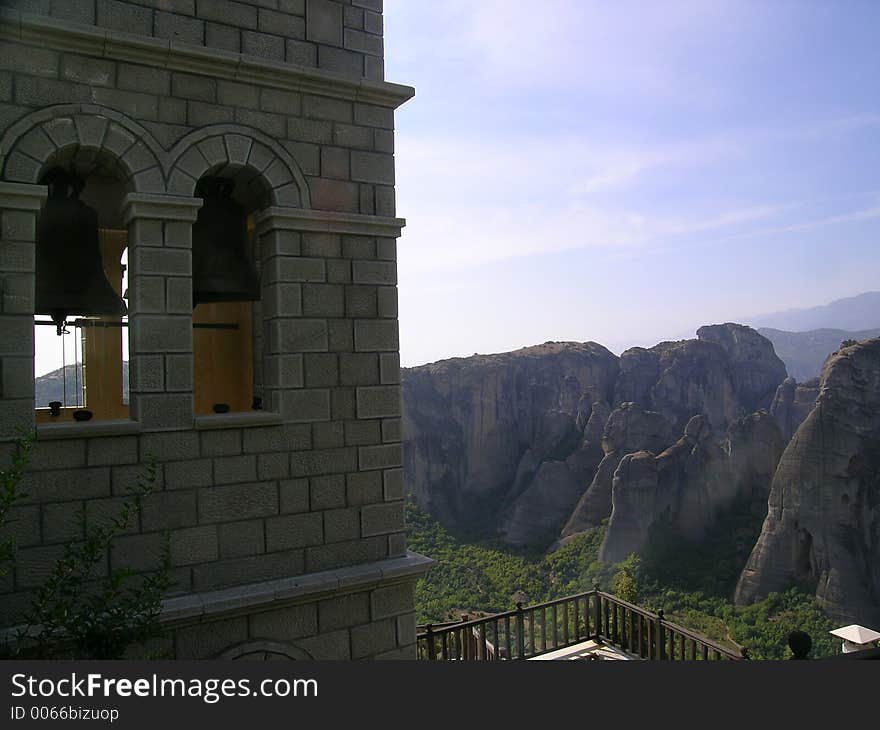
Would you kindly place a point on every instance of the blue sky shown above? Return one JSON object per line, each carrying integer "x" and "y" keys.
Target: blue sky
{"x": 626, "y": 171}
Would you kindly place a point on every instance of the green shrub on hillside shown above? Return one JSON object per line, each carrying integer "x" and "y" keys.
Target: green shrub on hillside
{"x": 485, "y": 577}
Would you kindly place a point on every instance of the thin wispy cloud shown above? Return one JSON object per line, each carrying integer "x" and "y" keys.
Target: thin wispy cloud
{"x": 478, "y": 235}
{"x": 482, "y": 202}
{"x": 721, "y": 141}
{"x": 857, "y": 216}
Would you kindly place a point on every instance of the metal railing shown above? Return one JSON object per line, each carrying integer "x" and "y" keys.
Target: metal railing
{"x": 529, "y": 631}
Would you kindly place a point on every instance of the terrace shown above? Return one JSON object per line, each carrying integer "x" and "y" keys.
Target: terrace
{"x": 588, "y": 626}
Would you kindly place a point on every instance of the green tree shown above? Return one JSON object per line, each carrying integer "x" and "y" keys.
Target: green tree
{"x": 626, "y": 582}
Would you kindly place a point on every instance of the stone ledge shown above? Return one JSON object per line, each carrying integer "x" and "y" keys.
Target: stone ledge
{"x": 21, "y": 196}
{"x": 160, "y": 207}
{"x": 48, "y": 32}
{"x": 319, "y": 221}
{"x": 214, "y": 421}
{"x": 195, "y": 607}
{"x": 88, "y": 429}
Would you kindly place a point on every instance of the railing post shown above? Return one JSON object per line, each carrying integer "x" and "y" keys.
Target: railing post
{"x": 659, "y": 639}
{"x": 432, "y": 650}
{"x": 520, "y": 632}
{"x": 597, "y": 611}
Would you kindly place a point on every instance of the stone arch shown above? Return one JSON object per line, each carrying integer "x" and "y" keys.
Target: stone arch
{"x": 89, "y": 137}
{"x": 265, "y": 650}
{"x": 258, "y": 163}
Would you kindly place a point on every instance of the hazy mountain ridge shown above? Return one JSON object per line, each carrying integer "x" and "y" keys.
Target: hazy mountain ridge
{"x": 50, "y": 386}
{"x": 859, "y": 312}
{"x": 804, "y": 353}
{"x": 805, "y": 338}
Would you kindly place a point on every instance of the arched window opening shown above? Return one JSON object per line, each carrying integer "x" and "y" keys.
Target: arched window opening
{"x": 226, "y": 294}
{"x": 80, "y": 313}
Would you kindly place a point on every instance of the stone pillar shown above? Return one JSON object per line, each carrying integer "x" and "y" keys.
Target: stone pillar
{"x": 160, "y": 309}
{"x": 331, "y": 359}
{"x": 286, "y": 334}
{"x": 19, "y": 206}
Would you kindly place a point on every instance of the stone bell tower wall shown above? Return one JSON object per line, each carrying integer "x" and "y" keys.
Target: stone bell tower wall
{"x": 285, "y": 524}
{"x": 340, "y": 36}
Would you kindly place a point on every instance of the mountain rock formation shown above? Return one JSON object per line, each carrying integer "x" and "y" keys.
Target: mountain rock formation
{"x": 792, "y": 404}
{"x": 524, "y": 443}
{"x": 823, "y": 524}
{"x": 629, "y": 428}
{"x": 691, "y": 482}
{"x": 728, "y": 371}
{"x": 478, "y": 429}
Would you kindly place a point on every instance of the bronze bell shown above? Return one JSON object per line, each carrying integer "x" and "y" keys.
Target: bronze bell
{"x": 70, "y": 276}
{"x": 222, "y": 270}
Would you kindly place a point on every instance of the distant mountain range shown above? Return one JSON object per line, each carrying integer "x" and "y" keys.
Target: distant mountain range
{"x": 50, "y": 386}
{"x": 804, "y": 338}
{"x": 861, "y": 312}
{"x": 804, "y": 352}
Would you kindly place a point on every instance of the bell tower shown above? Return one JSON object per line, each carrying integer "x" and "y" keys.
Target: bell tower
{"x": 206, "y": 191}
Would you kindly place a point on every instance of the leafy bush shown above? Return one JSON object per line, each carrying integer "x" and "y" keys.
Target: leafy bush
{"x": 73, "y": 614}
{"x": 10, "y": 493}
{"x": 762, "y": 627}
{"x": 488, "y": 577}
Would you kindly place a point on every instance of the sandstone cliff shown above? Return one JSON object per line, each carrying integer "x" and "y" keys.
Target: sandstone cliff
{"x": 690, "y": 483}
{"x": 478, "y": 429}
{"x": 727, "y": 372}
{"x": 823, "y": 524}
{"x": 522, "y": 443}
{"x": 629, "y": 428}
{"x": 792, "y": 404}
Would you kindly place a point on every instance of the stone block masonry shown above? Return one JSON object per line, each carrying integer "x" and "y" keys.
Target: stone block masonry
{"x": 204, "y": 497}
{"x": 340, "y": 36}
{"x": 357, "y": 619}
{"x": 285, "y": 524}
{"x": 228, "y": 523}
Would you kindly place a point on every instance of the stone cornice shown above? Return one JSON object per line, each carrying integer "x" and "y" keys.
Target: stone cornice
{"x": 22, "y": 196}
{"x": 194, "y": 607}
{"x": 321, "y": 221}
{"x": 161, "y": 207}
{"x": 48, "y": 32}
{"x": 91, "y": 429}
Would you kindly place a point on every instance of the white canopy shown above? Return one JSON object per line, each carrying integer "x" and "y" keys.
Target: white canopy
{"x": 856, "y": 634}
